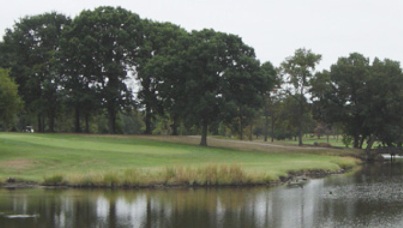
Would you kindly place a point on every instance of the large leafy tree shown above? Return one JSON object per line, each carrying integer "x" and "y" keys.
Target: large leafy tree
{"x": 385, "y": 93}
{"x": 102, "y": 48}
{"x": 364, "y": 98}
{"x": 29, "y": 50}
{"x": 341, "y": 94}
{"x": 158, "y": 71}
{"x": 245, "y": 85}
{"x": 222, "y": 79}
{"x": 268, "y": 70}
{"x": 206, "y": 77}
{"x": 10, "y": 102}
{"x": 298, "y": 71}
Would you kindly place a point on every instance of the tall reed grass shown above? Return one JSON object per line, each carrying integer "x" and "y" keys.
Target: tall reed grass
{"x": 210, "y": 175}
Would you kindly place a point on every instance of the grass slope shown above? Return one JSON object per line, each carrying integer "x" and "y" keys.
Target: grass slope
{"x": 73, "y": 158}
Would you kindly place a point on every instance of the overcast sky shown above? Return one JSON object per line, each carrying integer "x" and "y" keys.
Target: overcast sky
{"x": 274, "y": 28}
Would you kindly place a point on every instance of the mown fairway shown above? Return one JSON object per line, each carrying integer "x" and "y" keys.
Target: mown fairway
{"x": 36, "y": 156}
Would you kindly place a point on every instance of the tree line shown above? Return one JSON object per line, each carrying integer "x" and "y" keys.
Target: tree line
{"x": 109, "y": 71}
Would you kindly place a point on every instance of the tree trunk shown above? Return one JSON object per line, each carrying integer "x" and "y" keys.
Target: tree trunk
{"x": 112, "y": 120}
{"x": 147, "y": 120}
{"x": 77, "y": 127}
{"x": 203, "y": 141}
{"x": 301, "y": 113}
{"x": 356, "y": 143}
{"x": 51, "y": 122}
{"x": 241, "y": 128}
{"x": 371, "y": 141}
{"x": 41, "y": 124}
{"x": 174, "y": 126}
{"x": 299, "y": 134}
{"x": 87, "y": 123}
{"x": 272, "y": 128}
{"x": 266, "y": 120}
{"x": 251, "y": 133}
{"x": 52, "y": 118}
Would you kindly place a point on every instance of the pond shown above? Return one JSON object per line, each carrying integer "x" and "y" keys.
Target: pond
{"x": 372, "y": 197}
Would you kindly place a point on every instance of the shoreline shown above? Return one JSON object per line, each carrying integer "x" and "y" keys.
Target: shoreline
{"x": 282, "y": 180}
{"x": 123, "y": 162}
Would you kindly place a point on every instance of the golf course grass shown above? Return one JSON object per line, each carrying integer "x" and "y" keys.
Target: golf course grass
{"x": 101, "y": 160}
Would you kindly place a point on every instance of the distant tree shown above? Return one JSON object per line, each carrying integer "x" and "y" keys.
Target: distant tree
{"x": 29, "y": 50}
{"x": 341, "y": 95}
{"x": 79, "y": 75}
{"x": 244, "y": 88}
{"x": 275, "y": 82}
{"x": 223, "y": 83}
{"x": 206, "y": 77}
{"x": 10, "y": 102}
{"x": 102, "y": 48}
{"x": 274, "y": 108}
{"x": 298, "y": 70}
{"x": 365, "y": 99}
{"x": 159, "y": 70}
{"x": 385, "y": 119}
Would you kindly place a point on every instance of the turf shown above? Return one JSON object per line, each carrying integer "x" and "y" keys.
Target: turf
{"x": 36, "y": 156}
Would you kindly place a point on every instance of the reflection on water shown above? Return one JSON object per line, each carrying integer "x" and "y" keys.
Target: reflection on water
{"x": 370, "y": 198}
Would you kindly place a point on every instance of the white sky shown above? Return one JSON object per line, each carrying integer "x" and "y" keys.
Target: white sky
{"x": 274, "y": 28}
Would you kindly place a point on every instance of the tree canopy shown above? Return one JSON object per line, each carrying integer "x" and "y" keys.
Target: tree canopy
{"x": 111, "y": 69}
{"x": 298, "y": 71}
{"x": 104, "y": 45}
{"x": 29, "y": 50}
{"x": 364, "y": 98}
{"x": 10, "y": 102}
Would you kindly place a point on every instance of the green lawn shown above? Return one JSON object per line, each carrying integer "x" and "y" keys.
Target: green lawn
{"x": 38, "y": 156}
{"x": 335, "y": 141}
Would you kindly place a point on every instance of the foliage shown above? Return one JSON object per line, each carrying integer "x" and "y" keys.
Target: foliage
{"x": 10, "y": 102}
{"x": 31, "y": 48}
{"x": 298, "y": 71}
{"x": 102, "y": 47}
{"x": 347, "y": 140}
{"x": 159, "y": 72}
{"x": 79, "y": 75}
{"x": 270, "y": 96}
{"x": 364, "y": 98}
{"x": 225, "y": 83}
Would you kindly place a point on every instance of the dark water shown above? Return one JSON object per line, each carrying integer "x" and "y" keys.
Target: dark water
{"x": 372, "y": 197}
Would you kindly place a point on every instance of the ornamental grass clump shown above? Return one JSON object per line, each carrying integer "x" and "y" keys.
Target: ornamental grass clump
{"x": 211, "y": 175}
{"x": 111, "y": 180}
{"x": 55, "y": 180}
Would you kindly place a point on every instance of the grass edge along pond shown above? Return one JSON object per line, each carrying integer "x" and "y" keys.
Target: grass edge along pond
{"x": 130, "y": 161}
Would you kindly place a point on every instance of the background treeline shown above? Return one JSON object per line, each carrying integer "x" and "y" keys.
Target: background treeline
{"x": 109, "y": 71}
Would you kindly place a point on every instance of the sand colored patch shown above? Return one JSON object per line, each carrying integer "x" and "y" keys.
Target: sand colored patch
{"x": 18, "y": 164}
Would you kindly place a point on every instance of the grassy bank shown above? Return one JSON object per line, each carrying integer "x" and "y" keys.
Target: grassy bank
{"x": 93, "y": 160}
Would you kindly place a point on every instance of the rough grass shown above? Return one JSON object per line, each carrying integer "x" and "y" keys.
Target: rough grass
{"x": 333, "y": 140}
{"x": 112, "y": 161}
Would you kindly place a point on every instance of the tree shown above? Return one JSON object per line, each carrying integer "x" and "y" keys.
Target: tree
{"x": 10, "y": 102}
{"x": 385, "y": 120}
{"x": 223, "y": 81}
{"x": 102, "y": 48}
{"x": 271, "y": 73}
{"x": 159, "y": 67}
{"x": 364, "y": 98}
{"x": 79, "y": 74}
{"x": 30, "y": 49}
{"x": 341, "y": 95}
{"x": 244, "y": 88}
{"x": 298, "y": 71}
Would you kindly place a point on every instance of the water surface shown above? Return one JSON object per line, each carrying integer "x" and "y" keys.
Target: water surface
{"x": 372, "y": 197}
